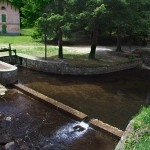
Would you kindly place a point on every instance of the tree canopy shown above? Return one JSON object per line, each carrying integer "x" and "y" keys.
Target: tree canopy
{"x": 120, "y": 17}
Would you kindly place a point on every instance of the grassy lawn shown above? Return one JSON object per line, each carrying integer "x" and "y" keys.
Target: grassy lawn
{"x": 18, "y": 40}
{"x": 140, "y": 137}
{"x": 26, "y": 45}
{"x": 25, "y": 39}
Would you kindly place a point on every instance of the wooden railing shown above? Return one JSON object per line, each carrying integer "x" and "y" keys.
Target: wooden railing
{"x": 8, "y": 50}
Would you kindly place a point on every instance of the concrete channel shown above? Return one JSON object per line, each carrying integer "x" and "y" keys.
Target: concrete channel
{"x": 17, "y": 133}
{"x": 75, "y": 114}
{"x": 29, "y": 124}
{"x": 66, "y": 135}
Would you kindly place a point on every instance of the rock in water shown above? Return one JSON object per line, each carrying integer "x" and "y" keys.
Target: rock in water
{"x": 10, "y": 146}
{"x": 2, "y": 90}
{"x": 8, "y": 118}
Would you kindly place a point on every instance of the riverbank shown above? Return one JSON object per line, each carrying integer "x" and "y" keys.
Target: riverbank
{"x": 137, "y": 134}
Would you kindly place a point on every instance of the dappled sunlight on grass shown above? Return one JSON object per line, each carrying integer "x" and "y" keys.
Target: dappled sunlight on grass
{"x": 73, "y": 56}
{"x": 81, "y": 60}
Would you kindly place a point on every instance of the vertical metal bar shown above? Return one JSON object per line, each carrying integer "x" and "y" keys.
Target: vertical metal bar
{"x": 10, "y": 50}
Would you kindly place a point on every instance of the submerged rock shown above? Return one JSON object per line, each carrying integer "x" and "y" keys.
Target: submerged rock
{"x": 10, "y": 146}
{"x": 8, "y": 118}
{"x": 2, "y": 90}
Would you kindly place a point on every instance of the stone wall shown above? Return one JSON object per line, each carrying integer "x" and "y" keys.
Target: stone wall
{"x": 13, "y": 60}
{"x": 44, "y": 66}
{"x": 61, "y": 67}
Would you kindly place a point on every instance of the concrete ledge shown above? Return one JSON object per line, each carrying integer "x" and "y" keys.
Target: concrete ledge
{"x": 75, "y": 114}
{"x": 106, "y": 129}
{"x": 8, "y": 73}
{"x": 60, "y": 106}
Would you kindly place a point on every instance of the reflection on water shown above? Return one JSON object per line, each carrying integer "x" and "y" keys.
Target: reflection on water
{"x": 113, "y": 98}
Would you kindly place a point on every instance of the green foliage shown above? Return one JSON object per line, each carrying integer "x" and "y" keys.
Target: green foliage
{"x": 100, "y": 10}
{"x": 17, "y": 3}
{"x": 136, "y": 125}
{"x": 122, "y": 17}
{"x": 140, "y": 137}
{"x": 37, "y": 33}
{"x": 31, "y": 10}
{"x": 144, "y": 115}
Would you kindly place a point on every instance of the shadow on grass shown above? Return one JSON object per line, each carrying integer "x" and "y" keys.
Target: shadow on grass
{"x": 81, "y": 60}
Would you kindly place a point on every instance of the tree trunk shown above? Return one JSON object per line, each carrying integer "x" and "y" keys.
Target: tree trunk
{"x": 94, "y": 39}
{"x": 110, "y": 34}
{"x": 60, "y": 51}
{"x": 119, "y": 40}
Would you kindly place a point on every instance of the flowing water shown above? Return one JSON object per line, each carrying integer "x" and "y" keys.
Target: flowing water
{"x": 32, "y": 125}
{"x": 113, "y": 98}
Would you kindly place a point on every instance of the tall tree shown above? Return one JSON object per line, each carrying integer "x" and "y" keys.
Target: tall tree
{"x": 119, "y": 15}
{"x": 92, "y": 17}
{"x": 59, "y": 20}
{"x": 42, "y": 25}
{"x": 140, "y": 10}
{"x": 128, "y": 17}
{"x": 98, "y": 16}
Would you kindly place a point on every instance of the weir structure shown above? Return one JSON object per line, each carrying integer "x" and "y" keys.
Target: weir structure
{"x": 8, "y": 75}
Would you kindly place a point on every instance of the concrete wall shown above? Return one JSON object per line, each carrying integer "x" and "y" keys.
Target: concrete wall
{"x": 8, "y": 75}
{"x": 12, "y": 18}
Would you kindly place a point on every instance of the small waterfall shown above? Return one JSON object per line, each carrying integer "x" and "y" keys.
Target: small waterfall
{"x": 68, "y": 134}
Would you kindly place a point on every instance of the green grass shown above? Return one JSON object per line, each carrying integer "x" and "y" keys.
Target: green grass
{"x": 24, "y": 39}
{"x": 38, "y": 51}
{"x": 140, "y": 137}
{"x": 15, "y": 40}
{"x": 26, "y": 45}
{"x": 27, "y": 32}
{"x": 72, "y": 58}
